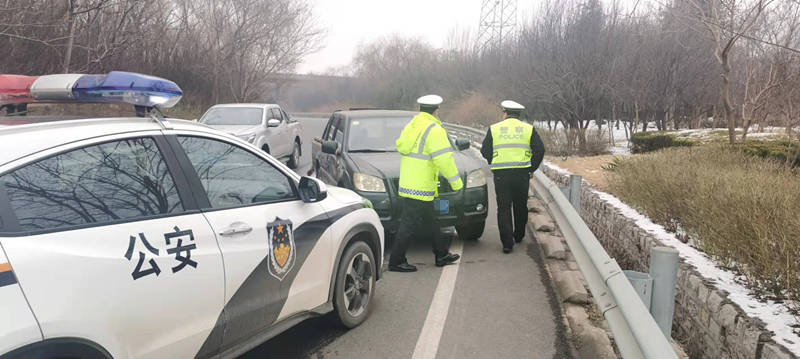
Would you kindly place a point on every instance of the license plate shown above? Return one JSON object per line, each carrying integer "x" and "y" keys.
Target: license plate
{"x": 442, "y": 206}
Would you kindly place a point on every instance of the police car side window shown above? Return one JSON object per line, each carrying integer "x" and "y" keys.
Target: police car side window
{"x": 102, "y": 183}
{"x": 233, "y": 176}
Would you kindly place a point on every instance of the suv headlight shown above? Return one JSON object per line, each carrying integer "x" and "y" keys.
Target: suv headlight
{"x": 476, "y": 179}
{"x": 367, "y": 183}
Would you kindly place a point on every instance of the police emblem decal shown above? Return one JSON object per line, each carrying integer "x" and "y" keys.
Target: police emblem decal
{"x": 280, "y": 235}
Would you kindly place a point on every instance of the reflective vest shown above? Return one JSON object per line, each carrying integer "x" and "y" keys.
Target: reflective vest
{"x": 426, "y": 152}
{"x": 511, "y": 144}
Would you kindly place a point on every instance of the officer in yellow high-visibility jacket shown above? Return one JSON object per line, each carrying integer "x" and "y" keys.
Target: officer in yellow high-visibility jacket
{"x": 426, "y": 153}
{"x": 514, "y": 150}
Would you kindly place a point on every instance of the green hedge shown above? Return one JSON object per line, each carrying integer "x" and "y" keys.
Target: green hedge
{"x": 781, "y": 151}
{"x": 653, "y": 141}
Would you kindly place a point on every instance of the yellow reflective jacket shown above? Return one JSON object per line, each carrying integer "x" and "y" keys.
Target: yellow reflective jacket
{"x": 511, "y": 143}
{"x": 426, "y": 152}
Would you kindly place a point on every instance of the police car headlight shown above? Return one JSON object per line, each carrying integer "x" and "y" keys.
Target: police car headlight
{"x": 476, "y": 179}
{"x": 367, "y": 183}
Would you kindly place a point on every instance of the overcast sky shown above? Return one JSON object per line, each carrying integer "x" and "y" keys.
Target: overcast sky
{"x": 352, "y": 22}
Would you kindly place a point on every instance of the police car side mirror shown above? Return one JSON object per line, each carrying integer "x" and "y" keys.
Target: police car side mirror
{"x": 330, "y": 147}
{"x": 462, "y": 144}
{"x": 312, "y": 190}
{"x": 273, "y": 123}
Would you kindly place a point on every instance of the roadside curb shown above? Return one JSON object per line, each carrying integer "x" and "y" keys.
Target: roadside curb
{"x": 586, "y": 326}
{"x": 588, "y": 340}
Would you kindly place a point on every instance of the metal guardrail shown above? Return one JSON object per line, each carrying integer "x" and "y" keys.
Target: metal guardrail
{"x": 635, "y": 331}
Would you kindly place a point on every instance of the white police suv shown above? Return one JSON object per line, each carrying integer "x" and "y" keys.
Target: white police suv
{"x": 153, "y": 238}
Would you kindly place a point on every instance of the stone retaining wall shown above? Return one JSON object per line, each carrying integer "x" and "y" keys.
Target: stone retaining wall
{"x": 706, "y": 323}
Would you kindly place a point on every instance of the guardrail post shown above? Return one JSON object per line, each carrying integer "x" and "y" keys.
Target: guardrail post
{"x": 664, "y": 270}
{"x": 575, "y": 191}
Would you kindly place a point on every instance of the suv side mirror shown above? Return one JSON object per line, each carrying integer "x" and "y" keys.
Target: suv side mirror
{"x": 273, "y": 123}
{"x": 330, "y": 147}
{"x": 462, "y": 144}
{"x": 312, "y": 190}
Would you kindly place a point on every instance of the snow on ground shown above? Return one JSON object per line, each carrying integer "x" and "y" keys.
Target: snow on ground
{"x": 775, "y": 315}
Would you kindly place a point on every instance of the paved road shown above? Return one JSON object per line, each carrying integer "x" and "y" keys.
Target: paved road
{"x": 502, "y": 305}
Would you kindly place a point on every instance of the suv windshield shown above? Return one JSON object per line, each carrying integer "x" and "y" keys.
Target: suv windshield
{"x": 233, "y": 116}
{"x": 375, "y": 134}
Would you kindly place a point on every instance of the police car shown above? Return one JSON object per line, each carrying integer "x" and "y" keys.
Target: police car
{"x": 154, "y": 238}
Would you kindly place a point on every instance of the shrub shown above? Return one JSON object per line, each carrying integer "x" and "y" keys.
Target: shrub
{"x": 740, "y": 209}
{"x": 784, "y": 151}
{"x": 475, "y": 110}
{"x": 653, "y": 141}
{"x": 556, "y": 143}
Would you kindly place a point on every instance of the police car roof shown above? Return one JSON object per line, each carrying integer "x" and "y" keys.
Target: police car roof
{"x": 21, "y": 136}
{"x": 365, "y": 114}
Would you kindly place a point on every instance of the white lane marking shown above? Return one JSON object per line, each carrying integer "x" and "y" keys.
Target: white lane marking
{"x": 428, "y": 341}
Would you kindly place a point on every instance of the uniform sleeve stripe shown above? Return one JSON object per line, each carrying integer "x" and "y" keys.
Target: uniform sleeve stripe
{"x": 441, "y": 152}
{"x": 454, "y": 178}
{"x": 5, "y": 267}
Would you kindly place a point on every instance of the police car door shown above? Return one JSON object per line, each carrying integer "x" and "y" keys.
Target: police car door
{"x": 274, "y": 245}
{"x": 108, "y": 246}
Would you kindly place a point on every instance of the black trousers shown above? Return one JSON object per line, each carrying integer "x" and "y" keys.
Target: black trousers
{"x": 511, "y": 188}
{"x": 418, "y": 220}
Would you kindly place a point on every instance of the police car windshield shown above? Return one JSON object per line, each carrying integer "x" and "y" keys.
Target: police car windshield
{"x": 233, "y": 116}
{"x": 375, "y": 134}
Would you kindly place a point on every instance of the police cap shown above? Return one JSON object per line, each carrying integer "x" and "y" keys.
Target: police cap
{"x": 511, "y": 106}
{"x": 431, "y": 102}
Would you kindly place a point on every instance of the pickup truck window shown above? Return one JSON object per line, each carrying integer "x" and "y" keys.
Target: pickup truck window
{"x": 249, "y": 116}
{"x": 375, "y": 134}
{"x": 276, "y": 114}
{"x": 288, "y": 118}
{"x": 333, "y": 128}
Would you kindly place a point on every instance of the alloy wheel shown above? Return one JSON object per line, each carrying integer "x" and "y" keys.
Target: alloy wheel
{"x": 358, "y": 284}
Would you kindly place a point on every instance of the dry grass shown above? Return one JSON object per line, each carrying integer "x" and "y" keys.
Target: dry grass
{"x": 591, "y": 168}
{"x": 742, "y": 210}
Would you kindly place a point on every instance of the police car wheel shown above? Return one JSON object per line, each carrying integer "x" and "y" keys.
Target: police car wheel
{"x": 355, "y": 284}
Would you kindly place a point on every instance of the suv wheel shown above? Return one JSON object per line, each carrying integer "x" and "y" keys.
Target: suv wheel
{"x": 471, "y": 231}
{"x": 294, "y": 159}
{"x": 355, "y": 284}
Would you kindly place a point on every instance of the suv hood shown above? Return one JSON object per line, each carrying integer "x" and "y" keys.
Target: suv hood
{"x": 387, "y": 164}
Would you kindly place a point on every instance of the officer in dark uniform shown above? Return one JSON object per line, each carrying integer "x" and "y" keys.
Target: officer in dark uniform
{"x": 514, "y": 150}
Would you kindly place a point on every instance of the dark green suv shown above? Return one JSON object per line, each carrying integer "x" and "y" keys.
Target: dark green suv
{"x": 357, "y": 151}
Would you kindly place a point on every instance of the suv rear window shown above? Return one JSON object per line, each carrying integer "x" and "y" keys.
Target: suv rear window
{"x": 102, "y": 183}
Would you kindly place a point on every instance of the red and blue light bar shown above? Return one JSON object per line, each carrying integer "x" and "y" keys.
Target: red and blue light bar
{"x": 115, "y": 87}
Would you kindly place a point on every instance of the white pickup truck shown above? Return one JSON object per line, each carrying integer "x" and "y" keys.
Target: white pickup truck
{"x": 267, "y": 126}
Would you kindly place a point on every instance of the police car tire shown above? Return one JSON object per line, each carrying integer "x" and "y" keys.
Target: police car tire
{"x": 344, "y": 317}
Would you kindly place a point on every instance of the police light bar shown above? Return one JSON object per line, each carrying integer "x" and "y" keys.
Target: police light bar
{"x": 115, "y": 87}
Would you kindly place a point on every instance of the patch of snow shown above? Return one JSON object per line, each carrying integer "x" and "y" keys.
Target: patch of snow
{"x": 777, "y": 317}
{"x": 764, "y": 134}
{"x": 556, "y": 168}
